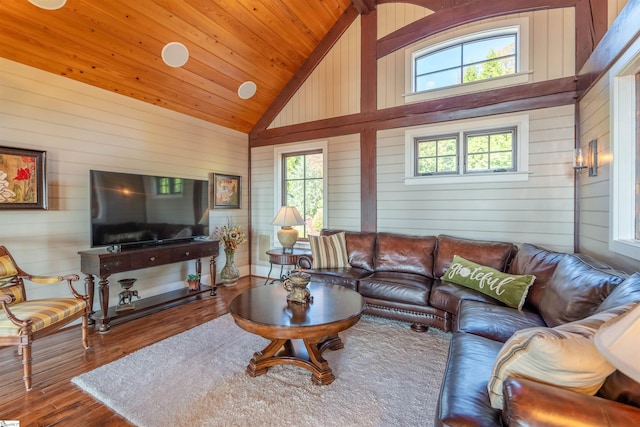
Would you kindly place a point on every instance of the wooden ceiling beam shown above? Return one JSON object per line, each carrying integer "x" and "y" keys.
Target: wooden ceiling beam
{"x": 464, "y": 13}
{"x": 364, "y": 7}
{"x": 550, "y": 93}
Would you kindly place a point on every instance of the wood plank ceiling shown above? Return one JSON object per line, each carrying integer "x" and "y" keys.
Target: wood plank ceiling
{"x": 116, "y": 45}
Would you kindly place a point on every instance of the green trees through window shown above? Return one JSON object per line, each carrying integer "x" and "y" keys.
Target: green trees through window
{"x": 303, "y": 187}
{"x": 468, "y": 61}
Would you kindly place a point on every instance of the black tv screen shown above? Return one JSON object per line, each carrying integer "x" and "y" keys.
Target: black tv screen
{"x": 137, "y": 210}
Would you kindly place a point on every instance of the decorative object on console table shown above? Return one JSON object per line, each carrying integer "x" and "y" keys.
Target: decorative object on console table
{"x": 193, "y": 280}
{"x": 286, "y": 217}
{"x": 125, "y": 298}
{"x": 22, "y": 179}
{"x": 224, "y": 191}
{"x": 230, "y": 236}
{"x": 230, "y": 273}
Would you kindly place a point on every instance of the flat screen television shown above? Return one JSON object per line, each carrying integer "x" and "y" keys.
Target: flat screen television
{"x": 132, "y": 210}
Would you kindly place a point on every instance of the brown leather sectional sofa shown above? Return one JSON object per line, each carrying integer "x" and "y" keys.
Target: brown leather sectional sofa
{"x": 399, "y": 276}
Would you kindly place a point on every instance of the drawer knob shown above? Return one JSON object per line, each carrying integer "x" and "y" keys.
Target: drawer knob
{"x": 186, "y": 253}
{"x": 152, "y": 258}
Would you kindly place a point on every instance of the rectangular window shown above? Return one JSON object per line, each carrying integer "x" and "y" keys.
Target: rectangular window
{"x": 490, "y": 151}
{"x": 303, "y": 187}
{"x": 437, "y": 155}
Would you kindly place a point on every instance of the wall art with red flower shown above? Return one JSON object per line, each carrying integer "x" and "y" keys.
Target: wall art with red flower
{"x": 22, "y": 179}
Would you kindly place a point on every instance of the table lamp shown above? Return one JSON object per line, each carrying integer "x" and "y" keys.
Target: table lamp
{"x": 286, "y": 217}
{"x": 618, "y": 342}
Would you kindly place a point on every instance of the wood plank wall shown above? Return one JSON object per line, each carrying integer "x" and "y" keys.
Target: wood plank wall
{"x": 539, "y": 211}
{"x": 81, "y": 128}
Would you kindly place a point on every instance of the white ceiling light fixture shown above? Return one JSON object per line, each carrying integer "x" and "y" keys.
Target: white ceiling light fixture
{"x": 48, "y": 4}
{"x": 247, "y": 90}
{"x": 175, "y": 54}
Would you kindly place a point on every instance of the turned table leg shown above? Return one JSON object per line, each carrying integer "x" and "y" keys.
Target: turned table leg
{"x": 90, "y": 288}
{"x": 103, "y": 320}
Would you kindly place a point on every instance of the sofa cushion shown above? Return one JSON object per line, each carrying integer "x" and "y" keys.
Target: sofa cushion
{"x": 405, "y": 254}
{"x": 329, "y": 251}
{"x": 621, "y": 388}
{"x": 625, "y": 292}
{"x": 565, "y": 356}
{"x": 492, "y": 254}
{"x": 401, "y": 287}
{"x": 507, "y": 288}
{"x": 360, "y": 247}
{"x": 531, "y": 259}
{"x": 495, "y": 322}
{"x": 575, "y": 291}
{"x": 464, "y": 399}
{"x": 447, "y": 296}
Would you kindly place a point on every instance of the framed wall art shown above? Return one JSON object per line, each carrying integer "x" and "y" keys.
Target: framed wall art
{"x": 23, "y": 179}
{"x": 225, "y": 191}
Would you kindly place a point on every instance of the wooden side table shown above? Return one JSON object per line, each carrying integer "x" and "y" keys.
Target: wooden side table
{"x": 277, "y": 256}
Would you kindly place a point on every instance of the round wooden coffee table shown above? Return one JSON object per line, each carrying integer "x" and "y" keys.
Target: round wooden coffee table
{"x": 299, "y": 333}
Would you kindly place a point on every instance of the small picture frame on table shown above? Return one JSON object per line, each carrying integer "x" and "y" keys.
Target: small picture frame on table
{"x": 225, "y": 191}
{"x": 23, "y": 179}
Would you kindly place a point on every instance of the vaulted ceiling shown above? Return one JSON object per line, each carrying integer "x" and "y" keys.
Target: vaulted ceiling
{"x": 116, "y": 45}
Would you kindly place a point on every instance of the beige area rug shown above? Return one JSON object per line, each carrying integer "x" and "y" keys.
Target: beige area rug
{"x": 386, "y": 375}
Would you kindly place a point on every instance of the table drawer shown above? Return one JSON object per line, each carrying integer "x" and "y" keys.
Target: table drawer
{"x": 113, "y": 265}
{"x": 186, "y": 253}
{"x": 150, "y": 259}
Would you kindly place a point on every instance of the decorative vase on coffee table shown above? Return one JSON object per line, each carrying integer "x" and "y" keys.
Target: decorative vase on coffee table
{"x": 230, "y": 273}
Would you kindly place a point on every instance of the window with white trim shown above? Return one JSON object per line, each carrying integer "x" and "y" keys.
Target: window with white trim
{"x": 625, "y": 141}
{"x": 300, "y": 178}
{"x": 473, "y": 58}
{"x": 476, "y": 150}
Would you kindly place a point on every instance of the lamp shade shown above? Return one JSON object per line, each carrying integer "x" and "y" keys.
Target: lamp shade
{"x": 288, "y": 216}
{"x": 618, "y": 342}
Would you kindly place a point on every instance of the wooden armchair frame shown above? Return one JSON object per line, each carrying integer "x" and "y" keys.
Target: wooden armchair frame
{"x": 26, "y": 335}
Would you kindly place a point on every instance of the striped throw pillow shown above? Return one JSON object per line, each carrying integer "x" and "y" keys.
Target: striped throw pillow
{"x": 329, "y": 251}
{"x": 564, "y": 356}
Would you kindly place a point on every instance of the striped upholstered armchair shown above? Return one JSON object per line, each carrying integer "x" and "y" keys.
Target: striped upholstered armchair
{"x": 23, "y": 320}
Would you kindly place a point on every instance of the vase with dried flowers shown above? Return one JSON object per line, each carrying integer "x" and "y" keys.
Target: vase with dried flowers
{"x": 230, "y": 236}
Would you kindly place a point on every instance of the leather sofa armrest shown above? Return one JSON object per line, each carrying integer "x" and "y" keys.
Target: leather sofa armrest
{"x": 305, "y": 262}
{"x": 528, "y": 403}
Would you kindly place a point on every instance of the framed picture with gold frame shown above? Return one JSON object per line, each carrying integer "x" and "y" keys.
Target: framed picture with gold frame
{"x": 23, "y": 179}
{"x": 225, "y": 191}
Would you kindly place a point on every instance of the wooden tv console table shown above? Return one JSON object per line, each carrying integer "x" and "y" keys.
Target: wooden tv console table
{"x": 103, "y": 263}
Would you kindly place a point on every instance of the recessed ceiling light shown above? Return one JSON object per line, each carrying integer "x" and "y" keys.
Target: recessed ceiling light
{"x": 247, "y": 90}
{"x": 48, "y": 4}
{"x": 175, "y": 54}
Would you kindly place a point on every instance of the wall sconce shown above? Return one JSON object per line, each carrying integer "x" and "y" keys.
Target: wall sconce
{"x": 588, "y": 162}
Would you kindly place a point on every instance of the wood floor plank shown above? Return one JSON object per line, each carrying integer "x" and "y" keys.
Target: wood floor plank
{"x": 55, "y": 401}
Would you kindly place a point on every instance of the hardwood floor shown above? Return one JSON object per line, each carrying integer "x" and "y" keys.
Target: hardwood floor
{"x": 60, "y": 357}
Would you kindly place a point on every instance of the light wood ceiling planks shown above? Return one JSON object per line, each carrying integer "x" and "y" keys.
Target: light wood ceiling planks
{"x": 116, "y": 45}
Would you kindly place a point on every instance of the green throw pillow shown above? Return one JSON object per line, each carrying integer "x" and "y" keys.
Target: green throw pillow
{"x": 508, "y": 288}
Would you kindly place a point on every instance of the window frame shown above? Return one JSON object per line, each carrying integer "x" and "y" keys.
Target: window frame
{"x": 489, "y": 132}
{"x": 279, "y": 185}
{"x": 437, "y": 138}
{"x": 519, "y": 122}
{"x": 623, "y": 134}
{"x": 523, "y": 75}
{"x": 462, "y": 42}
